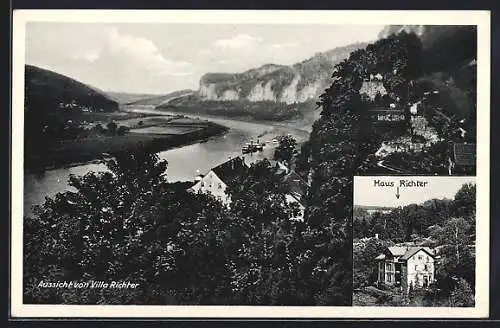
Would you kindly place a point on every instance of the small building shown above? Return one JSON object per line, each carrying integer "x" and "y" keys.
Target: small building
{"x": 414, "y": 108}
{"x": 462, "y": 158}
{"x": 370, "y": 89}
{"x": 291, "y": 199}
{"x": 296, "y": 185}
{"x": 219, "y": 178}
{"x": 297, "y": 189}
{"x": 406, "y": 267}
{"x": 278, "y": 166}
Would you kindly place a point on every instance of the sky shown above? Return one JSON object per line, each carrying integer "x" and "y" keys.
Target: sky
{"x": 160, "y": 58}
{"x": 365, "y": 193}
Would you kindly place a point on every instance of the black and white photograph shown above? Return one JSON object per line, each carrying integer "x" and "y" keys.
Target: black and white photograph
{"x": 213, "y": 160}
{"x": 414, "y": 241}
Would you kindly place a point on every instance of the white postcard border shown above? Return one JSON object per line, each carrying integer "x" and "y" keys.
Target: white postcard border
{"x": 365, "y": 17}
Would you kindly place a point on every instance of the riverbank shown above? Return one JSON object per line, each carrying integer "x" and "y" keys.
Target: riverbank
{"x": 299, "y": 115}
{"x": 96, "y": 148}
{"x": 301, "y": 126}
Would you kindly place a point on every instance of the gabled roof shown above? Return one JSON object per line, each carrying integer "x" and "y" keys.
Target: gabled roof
{"x": 296, "y": 184}
{"x": 293, "y": 199}
{"x": 279, "y": 168}
{"x": 413, "y": 250}
{"x": 464, "y": 154}
{"x": 405, "y": 252}
{"x": 230, "y": 170}
{"x": 397, "y": 250}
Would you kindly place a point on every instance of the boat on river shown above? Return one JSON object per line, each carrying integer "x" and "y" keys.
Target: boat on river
{"x": 252, "y": 147}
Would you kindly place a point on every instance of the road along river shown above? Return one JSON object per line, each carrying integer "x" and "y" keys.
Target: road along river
{"x": 184, "y": 163}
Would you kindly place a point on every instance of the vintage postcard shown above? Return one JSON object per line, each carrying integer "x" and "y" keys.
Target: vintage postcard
{"x": 250, "y": 164}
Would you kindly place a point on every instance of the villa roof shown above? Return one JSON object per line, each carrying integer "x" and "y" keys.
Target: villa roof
{"x": 413, "y": 250}
{"x": 405, "y": 252}
{"x": 397, "y": 250}
{"x": 230, "y": 170}
{"x": 296, "y": 185}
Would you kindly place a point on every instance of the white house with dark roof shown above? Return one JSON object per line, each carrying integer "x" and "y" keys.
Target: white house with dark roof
{"x": 406, "y": 267}
{"x": 219, "y": 178}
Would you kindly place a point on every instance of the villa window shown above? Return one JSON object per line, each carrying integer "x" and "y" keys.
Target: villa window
{"x": 420, "y": 257}
{"x": 203, "y": 184}
{"x": 389, "y": 277}
{"x": 426, "y": 267}
{"x": 220, "y": 185}
{"x": 416, "y": 267}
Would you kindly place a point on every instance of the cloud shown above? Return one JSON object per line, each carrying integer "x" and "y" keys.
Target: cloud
{"x": 285, "y": 45}
{"x": 237, "y": 41}
{"x": 91, "y": 56}
{"x": 143, "y": 52}
{"x": 244, "y": 51}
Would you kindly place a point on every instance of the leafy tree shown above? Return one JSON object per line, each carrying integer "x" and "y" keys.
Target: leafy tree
{"x": 128, "y": 224}
{"x": 112, "y": 128}
{"x": 99, "y": 128}
{"x": 465, "y": 200}
{"x": 264, "y": 258}
{"x": 365, "y": 266}
{"x": 286, "y": 149}
{"x": 462, "y": 295}
{"x": 302, "y": 160}
{"x": 122, "y": 130}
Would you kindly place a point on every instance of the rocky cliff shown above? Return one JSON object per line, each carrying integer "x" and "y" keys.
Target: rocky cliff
{"x": 278, "y": 83}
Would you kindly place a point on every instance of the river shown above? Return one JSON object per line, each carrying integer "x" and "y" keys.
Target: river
{"x": 184, "y": 163}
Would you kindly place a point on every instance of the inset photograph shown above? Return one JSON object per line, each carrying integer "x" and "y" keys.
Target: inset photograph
{"x": 414, "y": 241}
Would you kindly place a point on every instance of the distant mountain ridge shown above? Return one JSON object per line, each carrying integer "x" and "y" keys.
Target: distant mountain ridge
{"x": 297, "y": 83}
{"x": 159, "y": 100}
{"x": 126, "y": 97}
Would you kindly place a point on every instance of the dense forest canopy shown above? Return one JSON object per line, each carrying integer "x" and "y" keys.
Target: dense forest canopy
{"x": 416, "y": 220}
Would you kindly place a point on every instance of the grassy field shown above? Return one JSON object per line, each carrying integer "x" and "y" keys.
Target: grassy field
{"x": 165, "y": 130}
{"x": 94, "y": 117}
{"x": 96, "y": 146}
